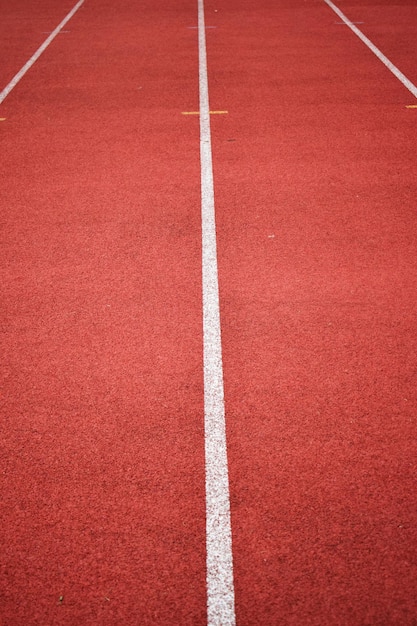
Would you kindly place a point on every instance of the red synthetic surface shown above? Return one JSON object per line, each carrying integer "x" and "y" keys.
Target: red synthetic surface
{"x": 317, "y": 236}
{"x": 102, "y": 399}
{"x": 24, "y": 26}
{"x": 102, "y": 510}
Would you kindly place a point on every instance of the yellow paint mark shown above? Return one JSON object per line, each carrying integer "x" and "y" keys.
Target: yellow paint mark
{"x": 198, "y": 112}
{"x": 2, "y": 119}
{"x": 411, "y": 106}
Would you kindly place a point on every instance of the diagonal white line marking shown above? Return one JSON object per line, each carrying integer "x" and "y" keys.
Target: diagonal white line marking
{"x": 397, "y": 73}
{"x": 220, "y": 587}
{"x": 38, "y": 53}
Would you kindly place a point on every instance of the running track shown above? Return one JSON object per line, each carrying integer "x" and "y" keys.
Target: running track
{"x": 103, "y": 470}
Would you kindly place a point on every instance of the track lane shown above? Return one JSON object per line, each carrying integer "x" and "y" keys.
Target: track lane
{"x": 103, "y": 511}
{"x": 317, "y": 238}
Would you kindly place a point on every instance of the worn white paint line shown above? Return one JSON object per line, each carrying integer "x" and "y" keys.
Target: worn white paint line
{"x": 397, "y": 73}
{"x": 38, "y": 53}
{"x": 220, "y": 586}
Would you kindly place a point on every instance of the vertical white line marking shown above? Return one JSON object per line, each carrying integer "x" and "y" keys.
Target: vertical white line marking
{"x": 38, "y": 53}
{"x": 220, "y": 587}
{"x": 397, "y": 73}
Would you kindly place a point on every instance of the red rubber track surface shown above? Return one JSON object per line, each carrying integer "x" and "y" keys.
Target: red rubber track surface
{"x": 103, "y": 470}
{"x": 24, "y": 26}
{"x": 103, "y": 513}
{"x": 318, "y": 273}
{"x": 391, "y": 26}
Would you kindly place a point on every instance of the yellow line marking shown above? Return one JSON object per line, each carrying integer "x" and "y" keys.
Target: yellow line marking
{"x": 198, "y": 112}
{"x": 411, "y": 106}
{"x": 2, "y": 119}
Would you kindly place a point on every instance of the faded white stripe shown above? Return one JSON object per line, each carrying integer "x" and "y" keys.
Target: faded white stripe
{"x": 397, "y": 73}
{"x": 38, "y": 53}
{"x": 220, "y": 588}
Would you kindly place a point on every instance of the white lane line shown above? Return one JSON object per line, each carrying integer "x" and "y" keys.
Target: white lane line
{"x": 38, "y": 53}
{"x": 397, "y": 73}
{"x": 220, "y": 586}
